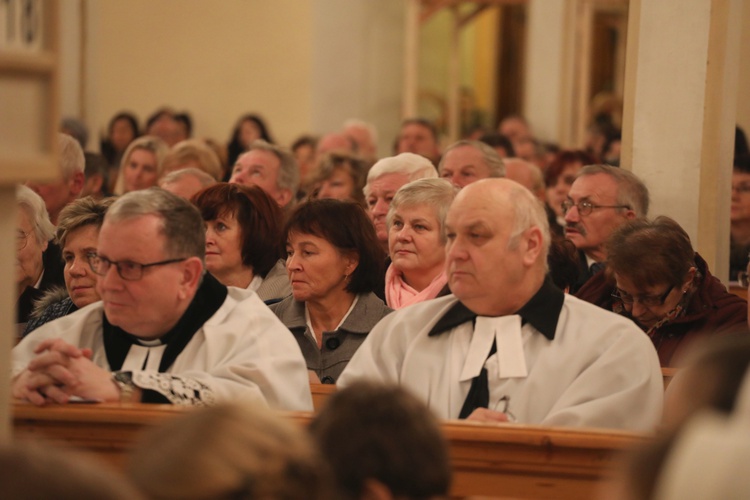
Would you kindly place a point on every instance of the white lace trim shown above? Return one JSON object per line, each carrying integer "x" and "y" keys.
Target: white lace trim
{"x": 178, "y": 390}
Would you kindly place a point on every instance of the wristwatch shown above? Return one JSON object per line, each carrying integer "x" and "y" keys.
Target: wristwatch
{"x": 124, "y": 381}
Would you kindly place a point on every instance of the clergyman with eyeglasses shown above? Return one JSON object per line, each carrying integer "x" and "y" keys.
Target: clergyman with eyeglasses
{"x": 656, "y": 278}
{"x": 165, "y": 331}
{"x": 601, "y": 199}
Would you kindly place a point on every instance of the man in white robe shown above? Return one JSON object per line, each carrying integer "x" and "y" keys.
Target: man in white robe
{"x": 508, "y": 345}
{"x": 164, "y": 332}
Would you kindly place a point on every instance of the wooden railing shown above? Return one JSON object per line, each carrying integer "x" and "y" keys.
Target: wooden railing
{"x": 489, "y": 460}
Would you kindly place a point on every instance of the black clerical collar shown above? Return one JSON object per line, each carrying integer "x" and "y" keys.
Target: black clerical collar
{"x": 208, "y": 298}
{"x": 542, "y": 311}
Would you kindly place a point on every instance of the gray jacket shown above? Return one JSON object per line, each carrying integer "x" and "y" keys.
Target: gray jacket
{"x": 338, "y": 346}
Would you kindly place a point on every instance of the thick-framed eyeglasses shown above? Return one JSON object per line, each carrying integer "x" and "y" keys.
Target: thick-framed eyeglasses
{"x": 128, "y": 270}
{"x": 644, "y": 300}
{"x": 585, "y": 207}
{"x": 22, "y": 239}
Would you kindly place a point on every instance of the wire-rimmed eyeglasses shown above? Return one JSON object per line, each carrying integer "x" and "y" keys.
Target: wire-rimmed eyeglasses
{"x": 585, "y": 207}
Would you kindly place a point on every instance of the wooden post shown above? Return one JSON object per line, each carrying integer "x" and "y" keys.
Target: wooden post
{"x": 29, "y": 100}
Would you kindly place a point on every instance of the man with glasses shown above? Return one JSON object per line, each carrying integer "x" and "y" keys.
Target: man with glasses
{"x": 601, "y": 198}
{"x": 165, "y": 331}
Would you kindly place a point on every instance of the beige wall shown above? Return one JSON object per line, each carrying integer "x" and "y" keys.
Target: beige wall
{"x": 216, "y": 59}
{"x": 743, "y": 90}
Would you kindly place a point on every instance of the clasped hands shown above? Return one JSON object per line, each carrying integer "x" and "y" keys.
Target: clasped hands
{"x": 60, "y": 371}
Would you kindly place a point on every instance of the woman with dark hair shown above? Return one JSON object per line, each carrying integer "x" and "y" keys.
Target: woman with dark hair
{"x": 121, "y": 131}
{"x": 243, "y": 239}
{"x": 339, "y": 176}
{"x": 249, "y": 128}
{"x": 655, "y": 277}
{"x": 334, "y": 263}
{"x": 558, "y": 178}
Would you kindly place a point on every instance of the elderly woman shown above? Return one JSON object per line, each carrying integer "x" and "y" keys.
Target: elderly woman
{"x": 34, "y": 230}
{"x": 654, "y": 277}
{"x": 335, "y": 264}
{"x": 416, "y": 242}
{"x": 385, "y": 178}
{"x": 244, "y": 245}
{"x": 141, "y": 164}
{"x": 340, "y": 176}
{"x": 77, "y": 234}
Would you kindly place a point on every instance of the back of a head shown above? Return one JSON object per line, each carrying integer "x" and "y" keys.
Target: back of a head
{"x": 182, "y": 225}
{"x": 391, "y": 438}
{"x": 228, "y": 452}
{"x": 704, "y": 460}
{"x": 410, "y": 164}
{"x": 711, "y": 377}
{"x": 194, "y": 153}
{"x": 631, "y": 191}
{"x": 28, "y": 471}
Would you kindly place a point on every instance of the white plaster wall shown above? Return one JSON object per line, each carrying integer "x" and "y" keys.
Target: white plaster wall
{"x": 669, "y": 104}
{"x": 357, "y": 65}
{"x": 544, "y": 71}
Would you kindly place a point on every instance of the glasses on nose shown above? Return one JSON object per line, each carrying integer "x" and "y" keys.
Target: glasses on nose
{"x": 644, "y": 300}
{"x": 22, "y": 239}
{"x": 128, "y": 270}
{"x": 586, "y": 207}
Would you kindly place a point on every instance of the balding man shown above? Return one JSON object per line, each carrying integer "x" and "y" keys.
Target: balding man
{"x": 526, "y": 174}
{"x": 465, "y": 162}
{"x": 186, "y": 182}
{"x": 509, "y": 345}
{"x": 365, "y": 136}
{"x": 600, "y": 200}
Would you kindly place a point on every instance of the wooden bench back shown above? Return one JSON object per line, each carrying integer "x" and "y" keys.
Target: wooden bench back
{"x": 503, "y": 460}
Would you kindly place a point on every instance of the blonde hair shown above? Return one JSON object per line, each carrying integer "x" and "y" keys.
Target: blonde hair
{"x": 193, "y": 150}
{"x": 229, "y": 451}
{"x": 150, "y": 143}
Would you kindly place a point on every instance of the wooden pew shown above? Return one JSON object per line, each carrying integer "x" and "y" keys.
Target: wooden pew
{"x": 501, "y": 460}
{"x": 320, "y": 393}
{"x": 738, "y": 290}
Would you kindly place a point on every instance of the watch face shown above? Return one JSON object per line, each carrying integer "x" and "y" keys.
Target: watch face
{"x": 124, "y": 377}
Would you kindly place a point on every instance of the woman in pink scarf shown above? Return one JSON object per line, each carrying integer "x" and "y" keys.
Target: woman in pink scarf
{"x": 416, "y": 242}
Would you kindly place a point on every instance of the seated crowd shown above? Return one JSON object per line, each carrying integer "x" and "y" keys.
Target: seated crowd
{"x": 529, "y": 290}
